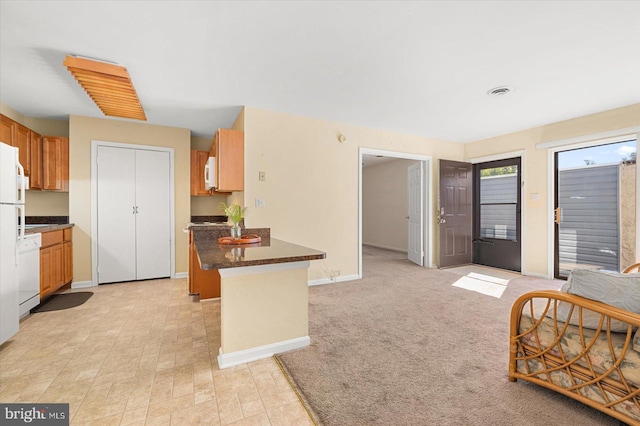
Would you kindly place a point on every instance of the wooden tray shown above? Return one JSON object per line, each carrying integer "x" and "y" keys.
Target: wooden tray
{"x": 245, "y": 239}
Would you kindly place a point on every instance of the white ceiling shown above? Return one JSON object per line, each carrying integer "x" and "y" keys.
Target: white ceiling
{"x": 416, "y": 67}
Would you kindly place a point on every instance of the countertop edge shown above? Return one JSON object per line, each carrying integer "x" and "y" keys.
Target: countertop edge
{"x": 48, "y": 228}
{"x": 307, "y": 254}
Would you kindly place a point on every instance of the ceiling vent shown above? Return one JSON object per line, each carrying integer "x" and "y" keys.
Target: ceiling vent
{"x": 499, "y": 91}
{"x": 109, "y": 85}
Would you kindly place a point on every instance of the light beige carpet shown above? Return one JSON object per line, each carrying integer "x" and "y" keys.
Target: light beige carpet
{"x": 403, "y": 346}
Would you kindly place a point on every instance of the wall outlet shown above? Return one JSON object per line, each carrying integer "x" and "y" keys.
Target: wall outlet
{"x": 260, "y": 202}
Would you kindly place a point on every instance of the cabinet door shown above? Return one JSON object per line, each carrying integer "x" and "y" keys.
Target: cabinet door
{"x": 206, "y": 283}
{"x": 46, "y": 269}
{"x": 35, "y": 179}
{"x": 116, "y": 214}
{"x": 52, "y": 163}
{"x": 229, "y": 147}
{"x": 64, "y": 163}
{"x": 22, "y": 140}
{"x": 6, "y": 130}
{"x": 57, "y": 266}
{"x": 68, "y": 261}
{"x": 153, "y": 214}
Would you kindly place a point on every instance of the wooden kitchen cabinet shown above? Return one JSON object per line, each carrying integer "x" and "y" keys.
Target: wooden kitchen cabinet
{"x": 228, "y": 148}
{"x": 56, "y": 261}
{"x": 46, "y": 271}
{"x": 6, "y": 130}
{"x": 55, "y": 163}
{"x": 35, "y": 178}
{"x": 22, "y": 141}
{"x": 15, "y": 134}
{"x": 45, "y": 160}
{"x": 206, "y": 283}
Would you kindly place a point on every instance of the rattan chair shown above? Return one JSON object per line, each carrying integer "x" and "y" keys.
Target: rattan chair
{"x": 632, "y": 268}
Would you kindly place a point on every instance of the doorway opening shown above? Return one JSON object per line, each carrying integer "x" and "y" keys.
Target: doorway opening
{"x": 394, "y": 204}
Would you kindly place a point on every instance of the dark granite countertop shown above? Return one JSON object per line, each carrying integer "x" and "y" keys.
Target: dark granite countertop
{"x": 269, "y": 251}
{"x": 35, "y": 229}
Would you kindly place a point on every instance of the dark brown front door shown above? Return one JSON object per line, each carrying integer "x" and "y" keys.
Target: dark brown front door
{"x": 455, "y": 213}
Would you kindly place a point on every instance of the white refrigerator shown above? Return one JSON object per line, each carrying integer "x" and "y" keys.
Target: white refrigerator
{"x": 11, "y": 208}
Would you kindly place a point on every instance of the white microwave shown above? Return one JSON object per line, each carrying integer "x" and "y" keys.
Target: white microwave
{"x": 210, "y": 174}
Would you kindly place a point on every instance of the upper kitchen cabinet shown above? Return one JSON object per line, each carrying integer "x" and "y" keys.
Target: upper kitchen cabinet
{"x": 15, "y": 134}
{"x": 6, "y": 130}
{"x": 55, "y": 163}
{"x": 228, "y": 149}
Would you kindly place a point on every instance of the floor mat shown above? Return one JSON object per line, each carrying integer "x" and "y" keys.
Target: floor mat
{"x": 58, "y": 302}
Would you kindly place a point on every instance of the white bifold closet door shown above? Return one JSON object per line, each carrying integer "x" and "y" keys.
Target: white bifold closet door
{"x": 134, "y": 235}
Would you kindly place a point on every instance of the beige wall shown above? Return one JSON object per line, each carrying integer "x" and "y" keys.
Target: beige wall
{"x": 385, "y": 205}
{"x": 536, "y": 220}
{"x": 82, "y": 130}
{"x": 311, "y": 187}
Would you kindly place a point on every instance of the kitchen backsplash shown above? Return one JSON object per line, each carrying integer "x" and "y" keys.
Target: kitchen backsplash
{"x": 214, "y": 218}
{"x": 49, "y": 220}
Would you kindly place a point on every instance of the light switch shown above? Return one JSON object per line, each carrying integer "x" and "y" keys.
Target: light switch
{"x": 261, "y": 176}
{"x": 260, "y": 202}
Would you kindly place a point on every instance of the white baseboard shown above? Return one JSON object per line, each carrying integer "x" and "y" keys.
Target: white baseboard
{"x": 323, "y": 281}
{"x": 181, "y": 275}
{"x": 82, "y": 284}
{"x": 401, "y": 250}
{"x": 241, "y": 357}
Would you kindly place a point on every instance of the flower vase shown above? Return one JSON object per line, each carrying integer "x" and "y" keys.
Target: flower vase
{"x": 236, "y": 232}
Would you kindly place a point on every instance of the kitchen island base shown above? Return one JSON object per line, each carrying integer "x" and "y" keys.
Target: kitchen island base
{"x": 263, "y": 311}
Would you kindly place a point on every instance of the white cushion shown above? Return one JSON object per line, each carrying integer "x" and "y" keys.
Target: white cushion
{"x": 619, "y": 290}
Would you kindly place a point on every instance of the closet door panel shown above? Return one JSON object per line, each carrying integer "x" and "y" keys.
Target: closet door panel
{"x": 116, "y": 214}
{"x": 153, "y": 224}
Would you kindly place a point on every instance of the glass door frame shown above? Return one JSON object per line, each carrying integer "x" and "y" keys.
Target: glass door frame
{"x": 586, "y": 141}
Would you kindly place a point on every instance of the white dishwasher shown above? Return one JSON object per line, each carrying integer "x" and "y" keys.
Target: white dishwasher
{"x": 29, "y": 272}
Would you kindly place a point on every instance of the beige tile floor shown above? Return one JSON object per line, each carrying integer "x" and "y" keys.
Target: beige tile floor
{"x": 142, "y": 353}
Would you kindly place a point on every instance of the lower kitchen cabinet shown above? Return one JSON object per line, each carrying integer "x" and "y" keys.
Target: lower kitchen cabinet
{"x": 56, "y": 261}
{"x": 206, "y": 283}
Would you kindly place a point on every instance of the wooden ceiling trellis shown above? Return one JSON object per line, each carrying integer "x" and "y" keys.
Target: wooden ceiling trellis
{"x": 109, "y": 85}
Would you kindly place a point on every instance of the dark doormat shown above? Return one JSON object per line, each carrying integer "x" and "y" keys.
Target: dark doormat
{"x": 58, "y": 302}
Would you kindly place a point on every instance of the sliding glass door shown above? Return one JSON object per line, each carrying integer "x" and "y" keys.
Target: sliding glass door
{"x": 595, "y": 199}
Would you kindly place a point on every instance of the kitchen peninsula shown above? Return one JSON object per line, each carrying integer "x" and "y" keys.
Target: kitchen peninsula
{"x": 264, "y": 293}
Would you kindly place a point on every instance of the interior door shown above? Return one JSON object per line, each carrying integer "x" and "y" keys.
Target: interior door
{"x": 497, "y": 218}
{"x": 153, "y": 213}
{"x": 415, "y": 252}
{"x": 455, "y": 213}
{"x": 116, "y": 169}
